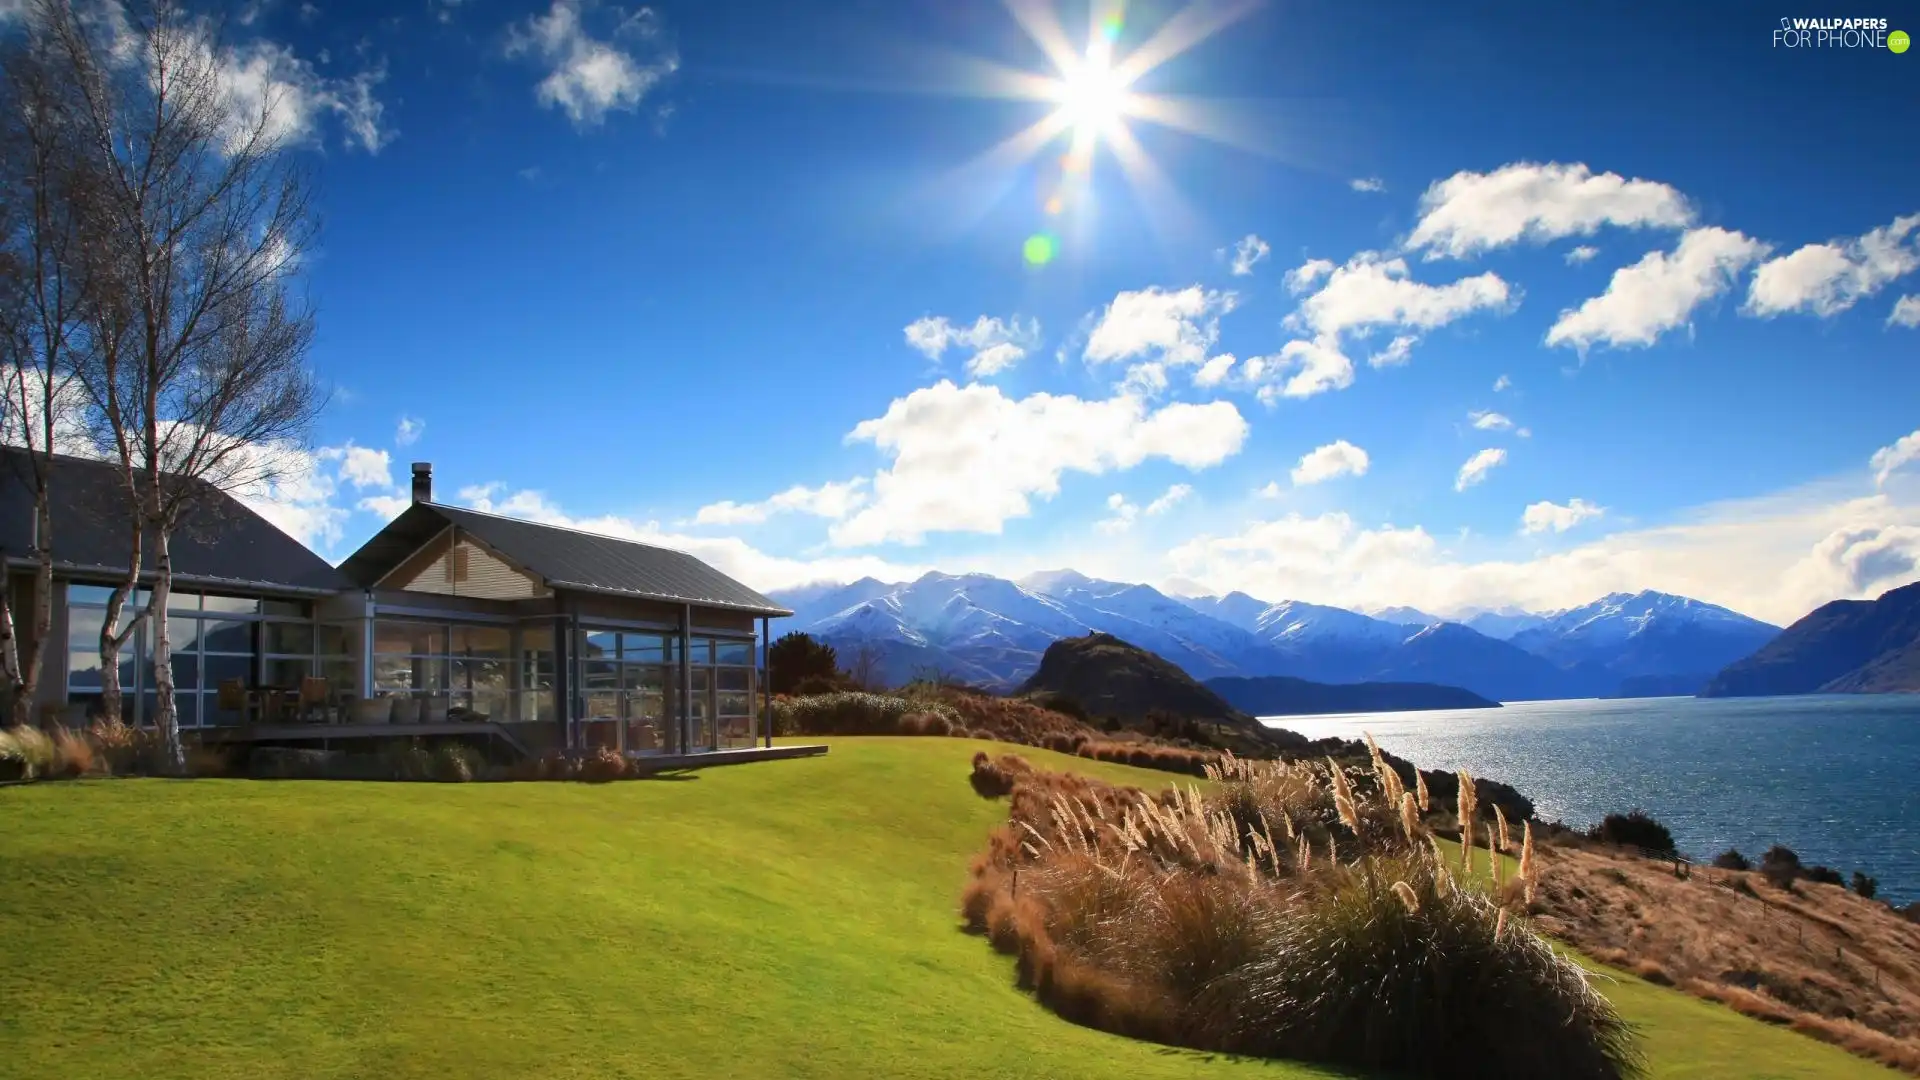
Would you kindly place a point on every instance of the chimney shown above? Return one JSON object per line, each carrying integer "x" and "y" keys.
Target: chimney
{"x": 423, "y": 481}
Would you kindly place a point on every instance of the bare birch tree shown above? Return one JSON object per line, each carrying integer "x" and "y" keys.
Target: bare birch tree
{"x": 43, "y": 308}
{"x": 196, "y": 360}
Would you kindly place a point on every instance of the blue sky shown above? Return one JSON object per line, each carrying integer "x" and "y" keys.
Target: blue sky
{"x": 679, "y": 273}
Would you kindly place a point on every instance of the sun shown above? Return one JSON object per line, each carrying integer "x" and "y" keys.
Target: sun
{"x": 1092, "y": 93}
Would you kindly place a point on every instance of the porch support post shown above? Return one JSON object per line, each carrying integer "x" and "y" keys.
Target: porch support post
{"x": 367, "y": 615}
{"x": 766, "y": 678}
{"x": 686, "y": 678}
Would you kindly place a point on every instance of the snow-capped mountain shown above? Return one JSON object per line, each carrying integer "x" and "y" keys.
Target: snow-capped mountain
{"x": 992, "y": 631}
{"x": 1646, "y": 634}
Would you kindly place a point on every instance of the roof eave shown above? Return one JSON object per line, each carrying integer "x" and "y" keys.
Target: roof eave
{"x": 767, "y": 611}
{"x": 68, "y": 568}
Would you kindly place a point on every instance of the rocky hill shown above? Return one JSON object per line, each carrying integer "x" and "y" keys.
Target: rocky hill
{"x": 1848, "y": 646}
{"x": 1111, "y": 677}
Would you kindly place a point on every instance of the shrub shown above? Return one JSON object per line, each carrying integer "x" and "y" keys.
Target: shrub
{"x": 1780, "y": 866}
{"x": 26, "y": 752}
{"x": 603, "y": 765}
{"x": 993, "y": 778}
{"x": 1731, "y": 859}
{"x": 795, "y": 657}
{"x": 1635, "y": 828}
{"x": 1055, "y": 701}
{"x": 1864, "y": 885}
{"x": 847, "y": 713}
{"x": 1158, "y": 917}
{"x": 123, "y": 748}
{"x": 818, "y": 684}
{"x": 73, "y": 755}
{"x": 1824, "y": 876}
{"x": 208, "y": 761}
{"x": 457, "y": 763}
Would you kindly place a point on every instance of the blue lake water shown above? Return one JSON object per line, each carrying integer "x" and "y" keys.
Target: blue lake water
{"x": 1835, "y": 778}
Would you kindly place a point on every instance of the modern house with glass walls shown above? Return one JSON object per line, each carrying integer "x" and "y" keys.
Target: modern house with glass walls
{"x": 447, "y": 621}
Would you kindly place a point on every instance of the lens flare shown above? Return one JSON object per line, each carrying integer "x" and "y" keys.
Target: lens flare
{"x": 1040, "y": 249}
{"x": 1055, "y": 205}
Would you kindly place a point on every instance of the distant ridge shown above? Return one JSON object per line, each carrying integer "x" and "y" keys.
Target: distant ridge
{"x": 1279, "y": 695}
{"x": 1845, "y": 647}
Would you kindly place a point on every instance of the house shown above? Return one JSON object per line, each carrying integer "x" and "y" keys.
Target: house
{"x": 446, "y": 621}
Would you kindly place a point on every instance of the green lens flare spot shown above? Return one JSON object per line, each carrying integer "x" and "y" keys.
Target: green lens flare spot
{"x": 1898, "y": 41}
{"x": 1040, "y": 249}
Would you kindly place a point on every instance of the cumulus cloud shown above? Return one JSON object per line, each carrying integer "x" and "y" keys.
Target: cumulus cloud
{"x": 1660, "y": 292}
{"x": 1826, "y": 279}
{"x": 589, "y": 77}
{"x": 1774, "y": 558}
{"x": 1337, "y": 458}
{"x": 1367, "y": 184}
{"x": 385, "y": 506}
{"x": 994, "y": 344}
{"x": 1906, "y": 312}
{"x": 361, "y": 466}
{"x": 408, "y": 431}
{"x": 1889, "y": 459}
{"x": 1215, "y": 371}
{"x": 1502, "y": 383}
{"x": 1370, "y": 292}
{"x": 830, "y": 500}
{"x": 1544, "y": 515}
{"x": 1470, "y": 212}
{"x": 1477, "y": 467}
{"x": 1123, "y": 514}
{"x": 1581, "y": 254}
{"x": 1175, "y": 495}
{"x": 1248, "y": 252}
{"x": 968, "y": 458}
{"x": 1488, "y": 420}
{"x": 1176, "y": 327}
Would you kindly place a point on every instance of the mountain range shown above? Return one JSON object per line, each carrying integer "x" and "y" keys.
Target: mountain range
{"x": 991, "y": 632}
{"x": 1845, "y": 647}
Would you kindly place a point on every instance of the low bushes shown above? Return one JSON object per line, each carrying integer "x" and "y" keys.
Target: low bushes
{"x": 1731, "y": 859}
{"x": 1284, "y": 913}
{"x": 851, "y": 712}
{"x": 1635, "y": 828}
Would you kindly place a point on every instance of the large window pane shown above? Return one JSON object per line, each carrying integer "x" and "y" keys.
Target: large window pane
{"x": 734, "y": 704}
{"x": 602, "y": 675}
{"x": 645, "y": 648}
{"x": 598, "y": 734}
{"x": 470, "y": 675}
{"x": 409, "y": 638}
{"x": 735, "y": 678}
{"x": 700, "y": 651}
{"x": 408, "y": 673}
{"x": 292, "y": 638}
{"x": 83, "y": 648}
{"x": 220, "y": 636}
{"x": 186, "y": 672}
{"x": 733, "y": 652}
{"x": 603, "y": 643}
{"x": 182, "y": 601}
{"x": 603, "y": 704}
{"x": 646, "y": 734}
{"x": 220, "y": 669}
{"x": 292, "y": 608}
{"x": 488, "y": 641}
{"x": 282, "y": 672}
{"x": 338, "y": 639}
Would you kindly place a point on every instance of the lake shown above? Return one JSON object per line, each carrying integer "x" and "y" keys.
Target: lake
{"x": 1835, "y": 778}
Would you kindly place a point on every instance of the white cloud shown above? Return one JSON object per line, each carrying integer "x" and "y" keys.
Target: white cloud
{"x": 1272, "y": 490}
{"x": 1488, "y": 420}
{"x": 1372, "y": 291}
{"x": 1177, "y": 327}
{"x": 1906, "y": 312}
{"x": 1397, "y": 352}
{"x": 270, "y": 88}
{"x": 1214, "y": 371}
{"x": 830, "y": 500}
{"x": 1775, "y": 558}
{"x": 385, "y": 506}
{"x": 1826, "y": 279}
{"x": 1502, "y": 383}
{"x": 1247, "y": 253}
{"x": 1322, "y": 463}
{"x": 1477, "y": 468}
{"x": 1367, "y": 184}
{"x": 995, "y": 344}
{"x": 408, "y": 431}
{"x": 590, "y": 77}
{"x": 1542, "y": 516}
{"x": 1660, "y": 292}
{"x": 1175, "y": 495}
{"x": 1124, "y": 515}
{"x": 1581, "y": 254}
{"x": 968, "y": 458}
{"x": 1317, "y": 366}
{"x": 1307, "y": 274}
{"x": 296, "y": 494}
{"x": 1471, "y": 212}
{"x": 1889, "y": 459}
{"x": 361, "y": 466}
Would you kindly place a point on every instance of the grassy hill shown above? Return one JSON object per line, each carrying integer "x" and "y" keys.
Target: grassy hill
{"x": 784, "y": 919}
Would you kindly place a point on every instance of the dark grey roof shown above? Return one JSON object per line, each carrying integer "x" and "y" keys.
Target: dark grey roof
{"x": 220, "y": 542}
{"x": 563, "y": 558}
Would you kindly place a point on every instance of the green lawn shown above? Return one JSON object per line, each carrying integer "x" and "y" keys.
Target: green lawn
{"x": 780, "y": 919}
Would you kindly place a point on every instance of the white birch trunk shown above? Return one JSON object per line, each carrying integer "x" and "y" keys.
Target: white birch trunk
{"x": 166, "y": 719}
